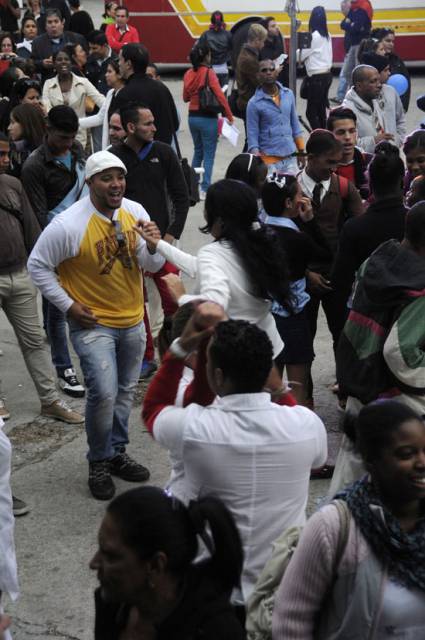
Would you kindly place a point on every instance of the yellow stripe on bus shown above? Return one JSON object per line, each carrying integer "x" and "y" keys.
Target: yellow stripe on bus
{"x": 403, "y": 21}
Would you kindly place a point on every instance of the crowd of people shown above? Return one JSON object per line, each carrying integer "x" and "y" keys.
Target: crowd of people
{"x": 94, "y": 197}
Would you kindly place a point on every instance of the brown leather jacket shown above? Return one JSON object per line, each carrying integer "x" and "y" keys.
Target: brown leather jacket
{"x": 246, "y": 75}
{"x": 18, "y": 225}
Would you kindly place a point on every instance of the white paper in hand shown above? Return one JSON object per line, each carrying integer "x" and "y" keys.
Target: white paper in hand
{"x": 230, "y": 132}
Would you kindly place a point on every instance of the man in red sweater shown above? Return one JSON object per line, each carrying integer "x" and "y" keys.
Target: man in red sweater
{"x": 121, "y": 32}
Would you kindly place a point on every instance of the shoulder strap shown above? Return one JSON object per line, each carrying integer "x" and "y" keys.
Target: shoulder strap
{"x": 344, "y": 529}
{"x": 343, "y": 186}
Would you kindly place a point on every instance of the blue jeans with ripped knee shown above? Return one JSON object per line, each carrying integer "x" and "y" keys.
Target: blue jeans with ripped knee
{"x": 110, "y": 360}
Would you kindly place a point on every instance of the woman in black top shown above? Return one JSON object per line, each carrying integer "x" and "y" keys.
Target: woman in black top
{"x": 387, "y": 37}
{"x": 150, "y": 587}
{"x": 284, "y": 203}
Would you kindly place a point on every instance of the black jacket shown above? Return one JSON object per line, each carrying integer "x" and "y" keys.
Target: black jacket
{"x": 153, "y": 182}
{"x": 203, "y": 613}
{"x": 42, "y": 49}
{"x": 47, "y": 180}
{"x": 154, "y": 94}
{"x": 220, "y": 44}
{"x": 384, "y": 220}
{"x": 397, "y": 66}
{"x": 301, "y": 249}
{"x": 356, "y": 26}
{"x": 95, "y": 72}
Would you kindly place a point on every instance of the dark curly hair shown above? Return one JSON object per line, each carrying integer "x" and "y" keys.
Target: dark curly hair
{"x": 244, "y": 353}
{"x": 234, "y": 205}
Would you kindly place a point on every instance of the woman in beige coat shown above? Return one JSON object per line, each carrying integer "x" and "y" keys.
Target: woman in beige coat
{"x": 71, "y": 90}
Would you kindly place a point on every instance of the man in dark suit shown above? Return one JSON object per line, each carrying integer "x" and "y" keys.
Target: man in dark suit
{"x": 133, "y": 60}
{"x": 97, "y": 63}
{"x": 54, "y": 40}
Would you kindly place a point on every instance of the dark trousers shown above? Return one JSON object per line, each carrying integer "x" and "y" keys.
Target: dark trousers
{"x": 317, "y": 100}
{"x": 336, "y": 312}
{"x": 55, "y": 327}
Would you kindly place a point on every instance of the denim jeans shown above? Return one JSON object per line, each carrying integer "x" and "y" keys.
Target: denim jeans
{"x": 110, "y": 360}
{"x": 350, "y": 61}
{"x": 288, "y": 165}
{"x": 204, "y": 132}
{"x": 55, "y": 327}
{"x": 343, "y": 85}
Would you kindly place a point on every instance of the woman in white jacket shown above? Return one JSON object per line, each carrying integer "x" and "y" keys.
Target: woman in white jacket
{"x": 318, "y": 64}
{"x": 101, "y": 118}
{"x": 244, "y": 269}
{"x": 71, "y": 90}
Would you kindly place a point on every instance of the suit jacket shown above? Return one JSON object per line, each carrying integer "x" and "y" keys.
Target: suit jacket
{"x": 42, "y": 48}
{"x": 95, "y": 72}
{"x": 157, "y": 97}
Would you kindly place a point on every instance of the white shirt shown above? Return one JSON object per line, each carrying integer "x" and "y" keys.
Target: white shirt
{"x": 8, "y": 568}
{"x": 308, "y": 184}
{"x": 403, "y": 613}
{"x": 255, "y": 456}
{"x": 318, "y": 58}
{"x": 221, "y": 278}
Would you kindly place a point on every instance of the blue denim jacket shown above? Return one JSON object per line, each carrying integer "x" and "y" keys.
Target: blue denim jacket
{"x": 272, "y": 128}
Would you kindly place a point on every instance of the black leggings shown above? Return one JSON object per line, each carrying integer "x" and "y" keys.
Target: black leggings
{"x": 317, "y": 101}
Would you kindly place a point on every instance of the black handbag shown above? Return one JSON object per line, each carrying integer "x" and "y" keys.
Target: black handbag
{"x": 208, "y": 101}
{"x": 189, "y": 175}
{"x": 305, "y": 88}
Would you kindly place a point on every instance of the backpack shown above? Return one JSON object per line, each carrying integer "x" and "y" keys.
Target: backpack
{"x": 259, "y": 608}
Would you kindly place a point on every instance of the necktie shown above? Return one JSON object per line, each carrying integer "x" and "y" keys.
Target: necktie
{"x": 316, "y": 194}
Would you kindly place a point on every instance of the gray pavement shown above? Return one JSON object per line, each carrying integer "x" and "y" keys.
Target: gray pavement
{"x": 57, "y": 539}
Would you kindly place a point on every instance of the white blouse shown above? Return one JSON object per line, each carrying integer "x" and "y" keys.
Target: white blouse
{"x": 221, "y": 278}
{"x": 318, "y": 58}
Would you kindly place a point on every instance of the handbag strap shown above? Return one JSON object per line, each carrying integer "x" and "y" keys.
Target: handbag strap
{"x": 206, "y": 84}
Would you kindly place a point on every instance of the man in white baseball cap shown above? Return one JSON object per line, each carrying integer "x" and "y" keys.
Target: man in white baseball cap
{"x": 88, "y": 263}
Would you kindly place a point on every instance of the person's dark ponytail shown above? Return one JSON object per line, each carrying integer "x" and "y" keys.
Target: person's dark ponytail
{"x": 151, "y": 520}
{"x": 234, "y": 204}
{"x": 224, "y": 545}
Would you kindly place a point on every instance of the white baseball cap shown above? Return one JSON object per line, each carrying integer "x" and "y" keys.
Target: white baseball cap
{"x": 102, "y": 160}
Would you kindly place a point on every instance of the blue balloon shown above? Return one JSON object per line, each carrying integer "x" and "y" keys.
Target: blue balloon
{"x": 399, "y": 83}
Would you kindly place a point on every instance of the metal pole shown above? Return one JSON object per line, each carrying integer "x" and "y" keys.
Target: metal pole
{"x": 291, "y": 9}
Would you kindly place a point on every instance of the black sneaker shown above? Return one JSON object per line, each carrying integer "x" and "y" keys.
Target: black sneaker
{"x": 69, "y": 383}
{"x": 128, "y": 469}
{"x": 20, "y": 508}
{"x": 100, "y": 481}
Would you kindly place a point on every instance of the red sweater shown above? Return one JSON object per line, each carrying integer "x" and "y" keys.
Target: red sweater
{"x": 194, "y": 80}
{"x": 163, "y": 389}
{"x": 116, "y": 39}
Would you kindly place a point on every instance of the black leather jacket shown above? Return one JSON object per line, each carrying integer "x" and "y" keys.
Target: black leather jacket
{"x": 220, "y": 43}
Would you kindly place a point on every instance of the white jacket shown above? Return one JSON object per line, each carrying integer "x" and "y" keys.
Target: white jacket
{"x": 221, "y": 278}
{"x": 81, "y": 88}
{"x": 100, "y": 119}
{"x": 318, "y": 57}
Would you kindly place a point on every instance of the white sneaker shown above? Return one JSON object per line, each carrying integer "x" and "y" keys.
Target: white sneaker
{"x": 69, "y": 383}
{"x": 4, "y": 413}
{"x": 202, "y": 195}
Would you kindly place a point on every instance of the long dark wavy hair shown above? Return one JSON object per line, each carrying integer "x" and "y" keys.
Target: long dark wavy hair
{"x": 234, "y": 205}
{"x": 318, "y": 21}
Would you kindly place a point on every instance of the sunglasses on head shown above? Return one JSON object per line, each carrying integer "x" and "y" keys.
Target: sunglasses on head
{"x": 121, "y": 239}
